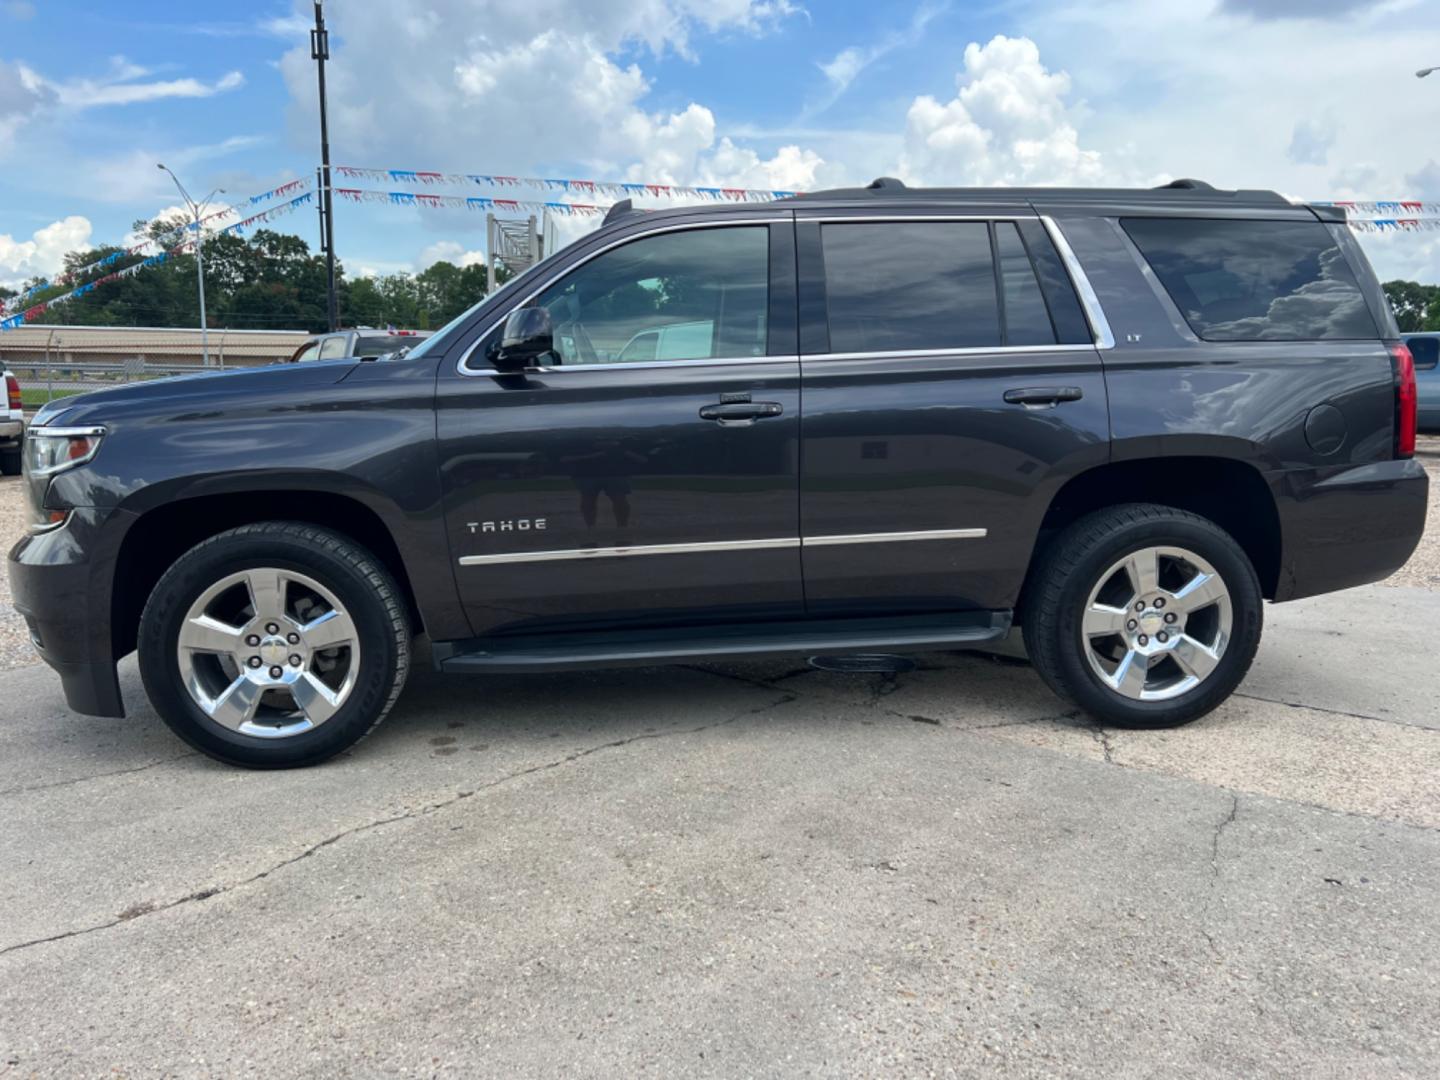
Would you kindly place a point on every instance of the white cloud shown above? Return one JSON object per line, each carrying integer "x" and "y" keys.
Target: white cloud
{"x": 1009, "y": 123}
{"x": 1295, "y": 9}
{"x": 22, "y": 95}
{"x": 1311, "y": 141}
{"x": 1204, "y": 93}
{"x": 448, "y": 251}
{"x": 847, "y": 65}
{"x": 43, "y": 254}
{"x": 503, "y": 87}
{"x": 131, "y": 178}
{"x": 88, "y": 93}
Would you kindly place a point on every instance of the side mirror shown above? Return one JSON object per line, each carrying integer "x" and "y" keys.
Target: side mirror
{"x": 1426, "y": 351}
{"x": 528, "y": 335}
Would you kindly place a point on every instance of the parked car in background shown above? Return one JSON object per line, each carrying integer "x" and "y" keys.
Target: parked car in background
{"x": 1426, "y": 350}
{"x": 361, "y": 342}
{"x": 886, "y": 419}
{"x": 12, "y": 427}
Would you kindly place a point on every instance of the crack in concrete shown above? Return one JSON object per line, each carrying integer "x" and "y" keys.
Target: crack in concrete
{"x": 1334, "y": 712}
{"x": 1071, "y": 715}
{"x": 1220, "y": 827}
{"x": 143, "y": 910}
{"x": 1224, "y": 824}
{"x": 97, "y": 776}
{"x": 1106, "y": 747}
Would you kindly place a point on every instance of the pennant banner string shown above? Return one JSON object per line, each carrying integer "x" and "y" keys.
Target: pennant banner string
{"x": 15, "y": 303}
{"x": 30, "y": 314}
{"x": 581, "y": 187}
{"x": 468, "y": 202}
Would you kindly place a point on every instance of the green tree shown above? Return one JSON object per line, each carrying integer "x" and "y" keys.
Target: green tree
{"x": 1417, "y": 307}
{"x": 267, "y": 280}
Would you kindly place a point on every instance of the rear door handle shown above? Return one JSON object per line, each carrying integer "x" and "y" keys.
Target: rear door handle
{"x": 741, "y": 412}
{"x": 1043, "y": 395}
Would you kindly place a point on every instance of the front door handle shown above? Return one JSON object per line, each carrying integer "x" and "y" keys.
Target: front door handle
{"x": 741, "y": 412}
{"x": 1043, "y": 396}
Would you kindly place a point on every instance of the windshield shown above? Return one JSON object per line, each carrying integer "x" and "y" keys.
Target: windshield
{"x": 437, "y": 341}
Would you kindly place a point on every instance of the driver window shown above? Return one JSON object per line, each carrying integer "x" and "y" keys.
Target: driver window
{"x": 695, "y": 295}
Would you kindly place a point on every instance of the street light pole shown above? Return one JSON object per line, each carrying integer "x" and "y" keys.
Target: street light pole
{"x": 320, "y": 52}
{"x": 196, "y": 211}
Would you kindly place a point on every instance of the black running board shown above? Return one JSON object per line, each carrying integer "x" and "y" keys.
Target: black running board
{"x": 642, "y": 648}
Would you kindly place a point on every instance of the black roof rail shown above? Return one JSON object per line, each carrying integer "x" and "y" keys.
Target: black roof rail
{"x": 885, "y": 183}
{"x": 1186, "y": 184}
{"x": 623, "y": 208}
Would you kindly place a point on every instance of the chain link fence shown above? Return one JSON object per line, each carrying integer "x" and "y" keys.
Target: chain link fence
{"x": 61, "y": 361}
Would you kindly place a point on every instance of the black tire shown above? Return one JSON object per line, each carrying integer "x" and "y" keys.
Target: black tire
{"x": 1073, "y": 564}
{"x": 357, "y": 579}
{"x": 10, "y": 462}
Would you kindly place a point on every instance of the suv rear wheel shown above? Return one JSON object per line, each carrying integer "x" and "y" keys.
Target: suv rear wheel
{"x": 1143, "y": 615}
{"x": 274, "y": 645}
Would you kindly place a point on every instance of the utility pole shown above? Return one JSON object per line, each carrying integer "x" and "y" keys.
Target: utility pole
{"x": 197, "y": 210}
{"x": 320, "y": 52}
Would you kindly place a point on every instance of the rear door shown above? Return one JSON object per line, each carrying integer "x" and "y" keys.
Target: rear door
{"x": 951, "y": 386}
{"x": 621, "y": 485}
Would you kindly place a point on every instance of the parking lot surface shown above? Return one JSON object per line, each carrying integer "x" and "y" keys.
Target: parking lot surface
{"x": 749, "y": 869}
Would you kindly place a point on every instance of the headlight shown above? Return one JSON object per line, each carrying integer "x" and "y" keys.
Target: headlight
{"x": 49, "y": 450}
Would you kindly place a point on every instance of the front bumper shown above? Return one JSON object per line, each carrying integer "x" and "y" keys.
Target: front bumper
{"x": 1351, "y": 528}
{"x": 61, "y": 583}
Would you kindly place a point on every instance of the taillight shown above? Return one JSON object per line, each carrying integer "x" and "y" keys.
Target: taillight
{"x": 12, "y": 391}
{"x": 1405, "y": 396}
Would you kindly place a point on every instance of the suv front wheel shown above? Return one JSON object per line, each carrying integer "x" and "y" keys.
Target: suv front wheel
{"x": 274, "y": 645}
{"x": 1143, "y": 615}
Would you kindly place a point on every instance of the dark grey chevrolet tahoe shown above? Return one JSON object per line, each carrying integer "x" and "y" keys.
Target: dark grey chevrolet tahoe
{"x": 875, "y": 419}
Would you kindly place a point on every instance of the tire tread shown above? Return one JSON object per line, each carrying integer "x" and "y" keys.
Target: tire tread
{"x": 338, "y": 547}
{"x": 1062, "y": 558}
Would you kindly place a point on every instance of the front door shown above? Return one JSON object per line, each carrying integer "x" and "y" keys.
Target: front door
{"x": 951, "y": 387}
{"x": 647, "y": 471}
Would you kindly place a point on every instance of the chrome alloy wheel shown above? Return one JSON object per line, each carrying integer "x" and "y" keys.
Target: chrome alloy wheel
{"x": 268, "y": 652}
{"x": 1157, "y": 623}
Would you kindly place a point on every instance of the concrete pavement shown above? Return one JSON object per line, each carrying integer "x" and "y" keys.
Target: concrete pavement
{"x": 749, "y": 869}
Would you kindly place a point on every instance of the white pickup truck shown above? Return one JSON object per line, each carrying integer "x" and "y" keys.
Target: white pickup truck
{"x": 12, "y": 426}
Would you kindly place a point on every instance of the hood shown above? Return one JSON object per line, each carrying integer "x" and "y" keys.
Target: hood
{"x": 184, "y": 393}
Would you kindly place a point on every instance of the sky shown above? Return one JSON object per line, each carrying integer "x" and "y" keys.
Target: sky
{"x": 1314, "y": 98}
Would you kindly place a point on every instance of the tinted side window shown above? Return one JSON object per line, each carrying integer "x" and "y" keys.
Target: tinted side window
{"x": 695, "y": 295}
{"x": 1027, "y": 322}
{"x": 1255, "y": 280}
{"x": 1071, "y": 326}
{"x": 907, "y": 286}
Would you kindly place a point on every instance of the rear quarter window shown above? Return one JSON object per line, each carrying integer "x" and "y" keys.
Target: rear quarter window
{"x": 1237, "y": 280}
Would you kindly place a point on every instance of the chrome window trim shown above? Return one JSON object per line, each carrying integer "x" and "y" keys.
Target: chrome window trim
{"x": 853, "y": 219}
{"x": 462, "y": 365}
{"x": 641, "y": 365}
{"x": 942, "y": 353}
{"x": 1089, "y": 301}
{"x": 720, "y": 545}
{"x": 1094, "y": 313}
